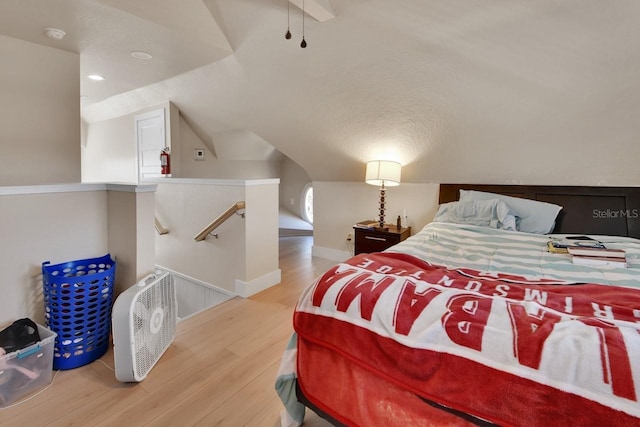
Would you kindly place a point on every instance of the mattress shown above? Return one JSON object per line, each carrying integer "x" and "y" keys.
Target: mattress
{"x": 485, "y": 325}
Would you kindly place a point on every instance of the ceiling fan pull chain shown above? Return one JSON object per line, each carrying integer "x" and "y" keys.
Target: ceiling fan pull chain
{"x": 288, "y": 33}
{"x": 304, "y": 43}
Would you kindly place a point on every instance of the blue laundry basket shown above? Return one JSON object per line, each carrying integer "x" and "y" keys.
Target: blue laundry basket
{"x": 78, "y": 297}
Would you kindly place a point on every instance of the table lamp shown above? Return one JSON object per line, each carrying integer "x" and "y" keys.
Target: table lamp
{"x": 383, "y": 173}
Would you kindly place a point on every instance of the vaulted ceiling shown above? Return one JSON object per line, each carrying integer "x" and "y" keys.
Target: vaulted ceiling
{"x": 432, "y": 84}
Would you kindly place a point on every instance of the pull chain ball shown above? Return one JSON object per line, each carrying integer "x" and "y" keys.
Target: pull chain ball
{"x": 303, "y": 44}
{"x": 288, "y": 33}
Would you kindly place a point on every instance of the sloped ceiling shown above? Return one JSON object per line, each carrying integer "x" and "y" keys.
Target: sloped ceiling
{"x": 454, "y": 90}
{"x": 181, "y": 36}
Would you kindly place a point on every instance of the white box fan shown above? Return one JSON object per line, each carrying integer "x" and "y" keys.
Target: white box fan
{"x": 144, "y": 325}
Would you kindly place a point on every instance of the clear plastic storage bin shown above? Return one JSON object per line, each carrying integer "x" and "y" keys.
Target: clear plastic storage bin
{"x": 24, "y": 371}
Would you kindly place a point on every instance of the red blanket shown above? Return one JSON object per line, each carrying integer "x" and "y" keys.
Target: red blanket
{"x": 500, "y": 347}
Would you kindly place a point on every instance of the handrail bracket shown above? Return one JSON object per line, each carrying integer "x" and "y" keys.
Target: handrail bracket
{"x": 159, "y": 227}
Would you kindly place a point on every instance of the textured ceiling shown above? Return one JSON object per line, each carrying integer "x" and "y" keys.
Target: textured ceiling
{"x": 441, "y": 86}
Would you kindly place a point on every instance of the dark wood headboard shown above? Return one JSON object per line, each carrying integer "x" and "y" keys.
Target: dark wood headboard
{"x": 612, "y": 211}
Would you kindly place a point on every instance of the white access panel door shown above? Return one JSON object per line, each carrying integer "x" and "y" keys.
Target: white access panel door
{"x": 150, "y": 134}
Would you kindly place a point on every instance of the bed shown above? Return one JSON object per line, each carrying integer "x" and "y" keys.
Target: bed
{"x": 472, "y": 321}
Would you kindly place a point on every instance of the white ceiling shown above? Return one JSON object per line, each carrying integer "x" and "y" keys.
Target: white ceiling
{"x": 434, "y": 84}
{"x": 181, "y": 36}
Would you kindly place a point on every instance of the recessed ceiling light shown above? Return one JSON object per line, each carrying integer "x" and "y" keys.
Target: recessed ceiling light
{"x": 54, "y": 33}
{"x": 141, "y": 55}
{"x": 95, "y": 77}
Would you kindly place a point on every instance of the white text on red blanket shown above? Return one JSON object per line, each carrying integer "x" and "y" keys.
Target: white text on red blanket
{"x": 534, "y": 307}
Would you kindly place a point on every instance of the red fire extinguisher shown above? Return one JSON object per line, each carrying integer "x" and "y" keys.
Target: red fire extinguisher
{"x": 165, "y": 162}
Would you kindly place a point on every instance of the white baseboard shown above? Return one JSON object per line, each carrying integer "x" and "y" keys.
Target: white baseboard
{"x": 252, "y": 287}
{"x": 329, "y": 253}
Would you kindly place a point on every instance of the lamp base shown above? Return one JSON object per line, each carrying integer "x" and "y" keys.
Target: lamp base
{"x": 381, "y": 211}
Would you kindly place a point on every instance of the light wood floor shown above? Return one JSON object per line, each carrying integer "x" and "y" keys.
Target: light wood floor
{"x": 220, "y": 370}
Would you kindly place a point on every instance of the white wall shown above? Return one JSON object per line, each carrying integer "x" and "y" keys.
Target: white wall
{"x": 262, "y": 246}
{"x": 39, "y": 114}
{"x": 339, "y": 205}
{"x": 109, "y": 153}
{"x": 293, "y": 179}
{"x": 110, "y": 150}
{"x": 131, "y": 213}
{"x": 261, "y": 220}
{"x": 55, "y": 227}
{"x": 245, "y": 250}
{"x": 213, "y": 167}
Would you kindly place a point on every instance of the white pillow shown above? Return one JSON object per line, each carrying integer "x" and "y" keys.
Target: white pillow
{"x": 533, "y": 216}
{"x": 486, "y": 213}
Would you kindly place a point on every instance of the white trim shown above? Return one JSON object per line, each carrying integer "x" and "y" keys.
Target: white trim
{"x": 252, "y": 287}
{"x": 152, "y": 113}
{"x": 50, "y": 188}
{"x": 159, "y": 113}
{"x": 132, "y": 188}
{"x": 76, "y": 188}
{"x": 329, "y": 253}
{"x": 303, "y": 204}
{"x": 256, "y": 182}
{"x": 229, "y": 182}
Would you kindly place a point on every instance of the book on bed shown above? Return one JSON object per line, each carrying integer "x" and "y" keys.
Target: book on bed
{"x": 596, "y": 252}
{"x": 562, "y": 246}
{"x": 565, "y": 243}
{"x": 600, "y": 261}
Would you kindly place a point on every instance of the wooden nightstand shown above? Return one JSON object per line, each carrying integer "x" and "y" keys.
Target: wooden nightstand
{"x": 377, "y": 240}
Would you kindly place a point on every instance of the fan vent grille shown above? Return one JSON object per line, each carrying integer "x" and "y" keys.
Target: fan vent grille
{"x": 154, "y": 323}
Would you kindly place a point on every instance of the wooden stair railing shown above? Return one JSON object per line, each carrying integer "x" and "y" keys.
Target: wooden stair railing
{"x": 218, "y": 221}
{"x": 159, "y": 228}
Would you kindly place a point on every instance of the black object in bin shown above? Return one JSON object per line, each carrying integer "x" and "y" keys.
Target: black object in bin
{"x": 78, "y": 298}
{"x": 20, "y": 334}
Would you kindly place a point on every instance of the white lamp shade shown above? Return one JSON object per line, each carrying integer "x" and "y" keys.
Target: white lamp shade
{"x": 383, "y": 171}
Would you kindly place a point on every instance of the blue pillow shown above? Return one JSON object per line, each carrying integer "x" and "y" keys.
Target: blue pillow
{"x": 533, "y": 216}
{"x": 486, "y": 213}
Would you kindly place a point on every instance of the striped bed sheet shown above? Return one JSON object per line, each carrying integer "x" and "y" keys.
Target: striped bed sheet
{"x": 501, "y": 251}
